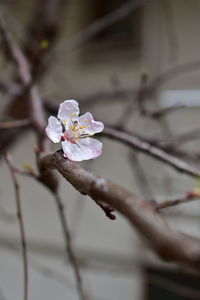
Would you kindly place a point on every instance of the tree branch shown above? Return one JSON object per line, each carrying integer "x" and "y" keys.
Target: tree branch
{"x": 69, "y": 247}
{"x": 15, "y": 124}
{"x": 190, "y": 196}
{"x": 45, "y": 26}
{"x": 52, "y": 187}
{"x": 142, "y": 145}
{"x": 21, "y": 225}
{"x": 170, "y": 245}
{"x": 99, "y": 25}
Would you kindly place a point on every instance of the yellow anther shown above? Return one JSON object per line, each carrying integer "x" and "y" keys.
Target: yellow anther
{"x": 86, "y": 120}
{"x": 91, "y": 134}
{"x": 27, "y": 167}
{"x": 44, "y": 44}
{"x": 78, "y": 140}
{"x": 64, "y": 122}
{"x": 74, "y": 115}
{"x": 144, "y": 72}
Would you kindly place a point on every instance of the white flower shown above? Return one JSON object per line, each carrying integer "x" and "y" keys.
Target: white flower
{"x": 75, "y": 132}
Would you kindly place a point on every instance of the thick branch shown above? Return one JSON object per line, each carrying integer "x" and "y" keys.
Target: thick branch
{"x": 167, "y": 243}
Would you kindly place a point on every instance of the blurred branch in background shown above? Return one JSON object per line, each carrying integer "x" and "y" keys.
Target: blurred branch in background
{"x": 21, "y": 226}
{"x": 49, "y": 13}
{"x": 99, "y": 25}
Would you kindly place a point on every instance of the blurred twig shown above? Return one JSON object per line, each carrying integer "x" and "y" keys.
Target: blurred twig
{"x": 14, "y": 53}
{"x": 45, "y": 26}
{"x": 15, "y": 124}
{"x": 171, "y": 30}
{"x": 67, "y": 236}
{"x": 144, "y": 146}
{"x": 69, "y": 248}
{"x": 179, "y": 139}
{"x": 99, "y": 25}
{"x": 21, "y": 224}
{"x": 190, "y": 196}
{"x": 140, "y": 176}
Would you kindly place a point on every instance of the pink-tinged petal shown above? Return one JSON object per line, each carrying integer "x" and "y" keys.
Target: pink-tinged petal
{"x": 72, "y": 151}
{"x": 54, "y": 129}
{"x": 85, "y": 149}
{"x": 90, "y": 126}
{"x": 68, "y": 110}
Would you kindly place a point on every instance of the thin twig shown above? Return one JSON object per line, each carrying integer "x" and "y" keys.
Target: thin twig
{"x": 171, "y": 30}
{"x": 178, "y": 140}
{"x": 21, "y": 225}
{"x": 99, "y": 25}
{"x": 190, "y": 196}
{"x": 67, "y": 236}
{"x": 15, "y": 54}
{"x": 15, "y": 124}
{"x": 144, "y": 146}
{"x": 69, "y": 247}
{"x": 137, "y": 101}
{"x": 9, "y": 88}
{"x": 140, "y": 176}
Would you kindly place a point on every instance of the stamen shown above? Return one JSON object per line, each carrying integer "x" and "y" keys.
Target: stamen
{"x": 82, "y": 136}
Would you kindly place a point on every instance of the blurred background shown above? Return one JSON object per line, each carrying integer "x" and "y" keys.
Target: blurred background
{"x": 101, "y": 53}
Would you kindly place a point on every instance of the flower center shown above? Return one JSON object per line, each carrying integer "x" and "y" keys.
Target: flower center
{"x": 75, "y": 133}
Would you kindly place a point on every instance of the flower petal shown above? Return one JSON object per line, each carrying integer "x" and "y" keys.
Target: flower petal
{"x": 85, "y": 149}
{"x": 91, "y": 125}
{"x": 54, "y": 129}
{"x": 68, "y": 110}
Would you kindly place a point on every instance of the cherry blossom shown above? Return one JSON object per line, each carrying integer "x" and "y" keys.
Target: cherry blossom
{"x": 74, "y": 132}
